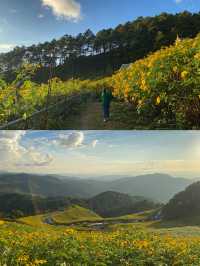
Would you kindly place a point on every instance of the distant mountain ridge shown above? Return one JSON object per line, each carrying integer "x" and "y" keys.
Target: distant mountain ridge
{"x": 159, "y": 187}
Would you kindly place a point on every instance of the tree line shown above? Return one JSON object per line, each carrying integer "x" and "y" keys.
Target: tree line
{"x": 19, "y": 205}
{"x": 90, "y": 55}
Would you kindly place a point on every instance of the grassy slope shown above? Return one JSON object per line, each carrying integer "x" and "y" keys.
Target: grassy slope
{"x": 187, "y": 228}
{"x": 188, "y": 221}
{"x": 69, "y": 215}
{"x": 141, "y": 215}
{"x": 36, "y": 220}
{"x": 74, "y": 214}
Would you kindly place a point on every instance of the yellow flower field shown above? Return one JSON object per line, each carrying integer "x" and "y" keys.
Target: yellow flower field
{"x": 165, "y": 86}
{"x": 129, "y": 245}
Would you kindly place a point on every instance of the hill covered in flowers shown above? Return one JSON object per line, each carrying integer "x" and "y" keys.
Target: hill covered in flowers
{"x": 163, "y": 89}
{"x": 165, "y": 86}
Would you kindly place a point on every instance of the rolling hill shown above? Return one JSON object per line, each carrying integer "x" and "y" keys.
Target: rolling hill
{"x": 68, "y": 215}
{"x": 115, "y": 204}
{"x": 74, "y": 213}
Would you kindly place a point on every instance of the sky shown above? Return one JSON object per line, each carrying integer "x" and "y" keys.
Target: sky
{"x": 101, "y": 153}
{"x": 24, "y": 22}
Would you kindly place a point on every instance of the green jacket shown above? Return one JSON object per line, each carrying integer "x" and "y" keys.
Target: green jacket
{"x": 106, "y": 97}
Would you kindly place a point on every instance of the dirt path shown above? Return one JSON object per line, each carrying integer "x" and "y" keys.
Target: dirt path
{"x": 89, "y": 116}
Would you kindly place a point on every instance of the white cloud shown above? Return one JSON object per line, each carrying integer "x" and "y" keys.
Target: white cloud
{"x": 14, "y": 153}
{"x": 5, "y": 47}
{"x": 73, "y": 140}
{"x": 65, "y": 9}
{"x": 10, "y": 144}
{"x": 32, "y": 158}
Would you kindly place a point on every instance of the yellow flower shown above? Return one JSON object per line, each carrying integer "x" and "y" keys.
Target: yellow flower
{"x": 140, "y": 102}
{"x": 197, "y": 56}
{"x": 158, "y": 100}
{"x": 69, "y": 231}
{"x": 184, "y": 74}
{"x": 175, "y": 69}
{"x": 142, "y": 244}
{"x": 40, "y": 262}
{"x": 23, "y": 258}
{"x": 178, "y": 40}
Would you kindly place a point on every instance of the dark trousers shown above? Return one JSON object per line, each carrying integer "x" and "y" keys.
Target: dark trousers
{"x": 106, "y": 110}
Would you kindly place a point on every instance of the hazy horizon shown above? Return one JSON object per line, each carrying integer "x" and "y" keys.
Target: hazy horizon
{"x": 102, "y": 177}
{"x": 101, "y": 153}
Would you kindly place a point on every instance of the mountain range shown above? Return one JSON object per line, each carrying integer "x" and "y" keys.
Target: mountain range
{"x": 158, "y": 187}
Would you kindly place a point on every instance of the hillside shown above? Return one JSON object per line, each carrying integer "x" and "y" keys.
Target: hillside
{"x": 18, "y": 205}
{"x": 114, "y": 204}
{"x": 184, "y": 205}
{"x": 67, "y": 215}
{"x": 161, "y": 89}
{"x": 161, "y": 83}
{"x": 62, "y": 209}
{"x": 157, "y": 187}
{"x": 74, "y": 213}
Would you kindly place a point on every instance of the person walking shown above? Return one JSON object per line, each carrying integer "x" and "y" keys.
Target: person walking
{"x": 106, "y": 100}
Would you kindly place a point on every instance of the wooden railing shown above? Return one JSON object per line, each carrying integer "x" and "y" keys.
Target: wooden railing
{"x": 31, "y": 121}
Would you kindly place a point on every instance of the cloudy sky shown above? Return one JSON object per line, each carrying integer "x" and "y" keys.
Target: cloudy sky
{"x": 23, "y": 22}
{"x": 97, "y": 153}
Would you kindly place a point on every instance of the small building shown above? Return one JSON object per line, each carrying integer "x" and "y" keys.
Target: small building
{"x": 125, "y": 66}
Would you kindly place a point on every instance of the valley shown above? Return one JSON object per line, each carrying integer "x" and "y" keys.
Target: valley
{"x": 110, "y": 228}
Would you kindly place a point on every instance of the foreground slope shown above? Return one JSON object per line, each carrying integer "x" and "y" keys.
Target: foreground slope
{"x": 130, "y": 245}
